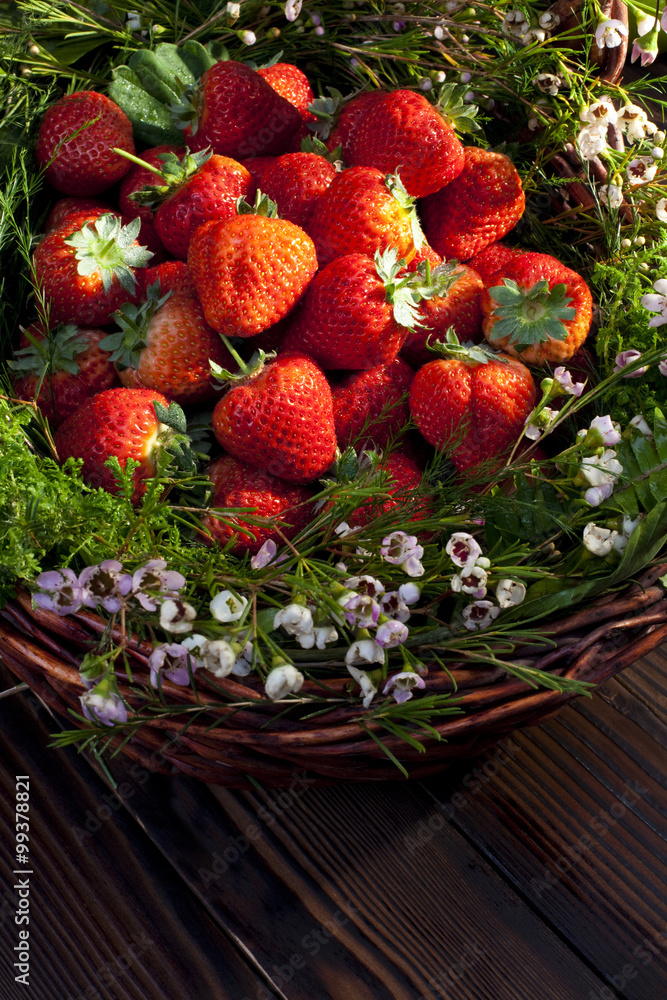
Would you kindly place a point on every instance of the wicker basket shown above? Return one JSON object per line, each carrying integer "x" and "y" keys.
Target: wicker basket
{"x": 592, "y": 644}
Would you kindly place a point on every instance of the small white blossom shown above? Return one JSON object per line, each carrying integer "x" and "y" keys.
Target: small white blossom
{"x": 514, "y": 23}
{"x": 645, "y": 48}
{"x": 343, "y": 529}
{"x": 657, "y": 303}
{"x": 227, "y": 607}
{"x": 295, "y": 619}
{"x": 609, "y": 34}
{"x": 564, "y": 379}
{"x": 293, "y": 9}
{"x": 641, "y": 170}
{"x": 283, "y": 681}
{"x": 510, "y": 592}
{"x": 365, "y": 682}
{"x": 177, "y": 616}
{"x": 403, "y": 550}
{"x": 596, "y": 495}
{"x": 627, "y": 528}
{"x": 548, "y": 83}
{"x": 598, "y": 470}
{"x": 234, "y": 10}
{"x": 605, "y": 431}
{"x": 627, "y": 357}
{"x": 364, "y": 651}
{"x": 248, "y": 37}
{"x": 409, "y": 592}
{"x": 472, "y": 581}
{"x": 601, "y": 112}
{"x": 633, "y": 121}
{"x": 265, "y": 555}
{"x": 640, "y": 424}
{"x": 548, "y": 21}
{"x": 611, "y": 195}
{"x": 402, "y": 685}
{"x": 592, "y": 140}
{"x": 320, "y": 636}
{"x": 394, "y": 607}
{"x": 391, "y": 634}
{"x": 361, "y": 610}
{"x": 463, "y": 549}
{"x": 533, "y": 35}
{"x": 218, "y": 656}
{"x": 598, "y": 540}
{"x": 479, "y": 614}
{"x": 368, "y": 585}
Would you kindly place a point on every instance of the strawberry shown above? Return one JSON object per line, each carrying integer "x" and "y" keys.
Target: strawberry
{"x": 480, "y": 206}
{"x": 121, "y": 422}
{"x": 292, "y": 84}
{"x": 240, "y": 114}
{"x": 537, "y": 309}
{"x": 402, "y": 477}
{"x": 280, "y": 419}
{"x": 166, "y": 344}
{"x": 284, "y": 506}
{"x": 471, "y": 404}
{"x": 295, "y": 181}
{"x": 68, "y": 366}
{"x": 90, "y": 266}
{"x": 425, "y": 253}
{"x": 452, "y": 299}
{"x": 76, "y": 140}
{"x": 70, "y": 206}
{"x": 491, "y": 258}
{"x": 355, "y": 314}
{"x": 363, "y": 211}
{"x": 349, "y": 117}
{"x": 139, "y": 177}
{"x": 251, "y": 270}
{"x": 401, "y": 132}
{"x": 258, "y": 166}
{"x": 370, "y": 407}
{"x": 173, "y": 275}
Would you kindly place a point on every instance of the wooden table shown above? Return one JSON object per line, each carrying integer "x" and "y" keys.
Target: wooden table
{"x": 536, "y": 872}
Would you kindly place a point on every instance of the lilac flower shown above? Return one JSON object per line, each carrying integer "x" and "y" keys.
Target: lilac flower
{"x": 265, "y": 555}
{"x": 645, "y": 48}
{"x": 368, "y": 585}
{"x": 393, "y": 607}
{"x": 105, "y": 585}
{"x": 362, "y": 611}
{"x": 564, "y": 379}
{"x": 61, "y": 591}
{"x": 627, "y": 357}
{"x": 402, "y": 685}
{"x": 479, "y": 614}
{"x": 170, "y": 660}
{"x": 391, "y": 634}
{"x": 409, "y": 592}
{"x": 463, "y": 549}
{"x": 227, "y": 607}
{"x": 154, "y": 580}
{"x": 365, "y": 682}
{"x": 656, "y": 303}
{"x": 364, "y": 651}
{"x": 662, "y": 368}
{"x": 103, "y": 705}
{"x": 282, "y": 681}
{"x": 603, "y": 431}
{"x": 177, "y": 616}
{"x": 598, "y": 494}
{"x": 403, "y": 550}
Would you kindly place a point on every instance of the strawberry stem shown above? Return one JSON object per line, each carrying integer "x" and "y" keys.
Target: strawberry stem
{"x": 243, "y": 367}
{"x": 137, "y": 159}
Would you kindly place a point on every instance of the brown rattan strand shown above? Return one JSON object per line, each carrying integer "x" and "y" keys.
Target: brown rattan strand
{"x": 229, "y": 746}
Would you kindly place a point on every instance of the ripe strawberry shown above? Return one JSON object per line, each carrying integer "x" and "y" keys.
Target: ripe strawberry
{"x": 240, "y": 114}
{"x": 370, "y": 407}
{"x": 452, "y": 299}
{"x": 67, "y": 364}
{"x": 480, "y": 206}
{"x": 120, "y": 422}
{"x": 292, "y": 84}
{"x": 355, "y": 314}
{"x": 349, "y": 117}
{"x": 173, "y": 275}
{"x": 166, "y": 344}
{"x": 89, "y": 267}
{"x": 402, "y": 477}
{"x": 76, "y": 141}
{"x": 295, "y": 181}
{"x": 285, "y": 506}
{"x": 251, "y": 270}
{"x": 363, "y": 211}
{"x": 280, "y": 419}
{"x": 472, "y": 404}
{"x": 140, "y": 177}
{"x": 70, "y": 206}
{"x": 402, "y": 132}
{"x": 425, "y": 253}
{"x": 491, "y": 258}
{"x": 258, "y": 166}
{"x": 537, "y": 309}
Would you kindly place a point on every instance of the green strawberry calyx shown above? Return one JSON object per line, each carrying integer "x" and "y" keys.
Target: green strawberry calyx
{"x": 469, "y": 354}
{"x": 108, "y": 248}
{"x": 457, "y": 112}
{"x": 184, "y": 111}
{"x": 311, "y": 144}
{"x": 436, "y": 282}
{"x": 55, "y": 353}
{"x": 397, "y": 190}
{"x": 527, "y": 316}
{"x": 175, "y": 173}
{"x": 247, "y": 370}
{"x": 262, "y": 206}
{"x": 173, "y": 439}
{"x": 401, "y": 290}
{"x": 126, "y": 345}
{"x": 326, "y": 111}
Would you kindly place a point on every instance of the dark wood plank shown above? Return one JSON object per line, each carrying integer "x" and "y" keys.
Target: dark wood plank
{"x": 576, "y": 819}
{"x": 337, "y": 894}
{"x": 109, "y": 919}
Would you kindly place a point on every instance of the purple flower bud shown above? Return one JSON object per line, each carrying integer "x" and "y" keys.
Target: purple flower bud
{"x": 391, "y": 634}
{"x": 171, "y": 661}
{"x": 265, "y": 555}
{"x": 102, "y": 707}
{"x": 564, "y": 379}
{"x": 626, "y": 358}
{"x": 402, "y": 685}
{"x": 61, "y": 591}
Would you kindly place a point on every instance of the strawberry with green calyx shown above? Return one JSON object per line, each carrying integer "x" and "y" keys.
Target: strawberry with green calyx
{"x": 166, "y": 344}
{"x": 357, "y": 312}
{"x": 362, "y": 211}
{"x": 61, "y": 369}
{"x": 472, "y": 403}
{"x": 294, "y": 181}
{"x": 492, "y": 258}
{"x": 370, "y": 407}
{"x": 173, "y": 275}
{"x": 338, "y": 119}
{"x": 279, "y": 418}
{"x": 402, "y": 131}
{"x": 537, "y": 309}
{"x": 477, "y": 208}
{"x": 89, "y": 266}
{"x": 250, "y": 271}
{"x": 452, "y": 295}
{"x": 144, "y": 172}
{"x": 76, "y": 143}
{"x": 136, "y": 424}
{"x": 284, "y": 507}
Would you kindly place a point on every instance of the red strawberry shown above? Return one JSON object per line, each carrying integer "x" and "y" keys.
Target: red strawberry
{"x": 166, "y": 344}
{"x": 472, "y": 404}
{"x": 69, "y": 364}
{"x": 349, "y": 117}
{"x": 120, "y": 422}
{"x": 402, "y": 478}
{"x": 65, "y": 207}
{"x": 491, "y": 258}
{"x": 258, "y": 166}
{"x": 425, "y": 253}
{"x": 89, "y": 267}
{"x": 363, "y": 211}
{"x": 371, "y": 407}
{"x": 295, "y": 181}
{"x": 403, "y": 133}
{"x": 140, "y": 177}
{"x": 251, "y": 270}
{"x": 355, "y": 313}
{"x": 241, "y": 115}
{"x": 292, "y": 84}
{"x": 455, "y": 302}
{"x": 537, "y": 309}
{"x": 173, "y": 275}
{"x": 285, "y": 506}
{"x": 280, "y": 419}
{"x": 479, "y": 207}
{"x": 76, "y": 141}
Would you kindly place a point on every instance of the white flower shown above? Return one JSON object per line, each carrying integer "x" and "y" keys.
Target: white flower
{"x": 662, "y": 367}
{"x": 640, "y": 424}
{"x": 510, "y": 592}
{"x": 472, "y": 581}
{"x": 609, "y": 34}
{"x": 598, "y": 494}
{"x": 320, "y": 636}
{"x": 293, "y": 9}
{"x": 641, "y": 170}
{"x": 479, "y": 614}
{"x": 657, "y": 303}
{"x": 409, "y": 592}
{"x": 364, "y": 651}
{"x": 104, "y": 708}
{"x": 394, "y": 607}
{"x": 605, "y": 431}
{"x": 361, "y": 610}
{"x": 645, "y": 24}
{"x": 177, "y": 616}
{"x": 611, "y": 195}
{"x": 365, "y": 584}
{"x": 601, "y": 112}
{"x": 592, "y": 140}
{"x": 538, "y": 422}
{"x": 514, "y": 23}
{"x": 564, "y": 379}
{"x": 627, "y": 528}
{"x": 533, "y": 35}
{"x": 265, "y": 555}
{"x": 233, "y": 10}
{"x": 463, "y": 549}
{"x": 368, "y": 688}
{"x": 391, "y": 634}
{"x": 599, "y": 470}
{"x": 218, "y": 656}
{"x": 343, "y": 529}
{"x": 402, "y": 685}
{"x": 646, "y": 48}
{"x": 627, "y": 357}
{"x": 548, "y": 21}
{"x": 283, "y": 681}
{"x": 227, "y": 607}
{"x": 248, "y": 37}
{"x": 548, "y": 83}
{"x": 531, "y": 431}
{"x": 599, "y": 541}
{"x": 633, "y": 121}
{"x": 403, "y": 550}
{"x": 295, "y": 619}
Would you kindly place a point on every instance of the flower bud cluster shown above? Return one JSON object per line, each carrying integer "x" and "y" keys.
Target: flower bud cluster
{"x": 465, "y": 552}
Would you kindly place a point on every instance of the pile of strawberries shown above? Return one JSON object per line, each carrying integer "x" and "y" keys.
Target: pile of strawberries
{"x": 349, "y": 260}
